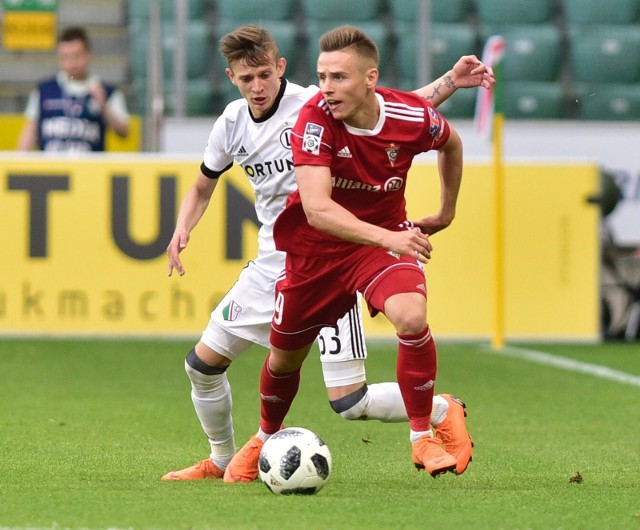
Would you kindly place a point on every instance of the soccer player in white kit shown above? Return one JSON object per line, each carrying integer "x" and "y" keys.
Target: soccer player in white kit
{"x": 254, "y": 132}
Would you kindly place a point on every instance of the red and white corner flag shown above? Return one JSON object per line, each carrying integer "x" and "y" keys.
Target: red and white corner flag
{"x": 489, "y": 102}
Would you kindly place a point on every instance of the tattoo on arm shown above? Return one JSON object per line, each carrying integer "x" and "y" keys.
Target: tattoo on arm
{"x": 446, "y": 81}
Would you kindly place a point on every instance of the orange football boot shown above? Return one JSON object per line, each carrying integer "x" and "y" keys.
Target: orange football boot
{"x": 429, "y": 454}
{"x": 244, "y": 465}
{"x": 453, "y": 433}
{"x": 203, "y": 469}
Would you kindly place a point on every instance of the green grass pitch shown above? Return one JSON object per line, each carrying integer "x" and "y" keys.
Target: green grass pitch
{"x": 88, "y": 427}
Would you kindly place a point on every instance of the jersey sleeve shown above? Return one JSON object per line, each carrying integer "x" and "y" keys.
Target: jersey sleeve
{"x": 216, "y": 159}
{"x": 437, "y": 129}
{"x": 311, "y": 138}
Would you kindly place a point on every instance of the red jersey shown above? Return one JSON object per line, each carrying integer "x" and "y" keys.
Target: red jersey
{"x": 368, "y": 167}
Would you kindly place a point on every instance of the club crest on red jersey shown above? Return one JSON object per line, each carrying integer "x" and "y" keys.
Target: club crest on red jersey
{"x": 434, "y": 121}
{"x": 392, "y": 153}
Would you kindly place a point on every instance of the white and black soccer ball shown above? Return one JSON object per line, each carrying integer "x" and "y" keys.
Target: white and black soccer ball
{"x": 294, "y": 461}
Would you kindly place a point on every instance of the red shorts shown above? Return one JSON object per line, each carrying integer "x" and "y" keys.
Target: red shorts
{"x": 315, "y": 292}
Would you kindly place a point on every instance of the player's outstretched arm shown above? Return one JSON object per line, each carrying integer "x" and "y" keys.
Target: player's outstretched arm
{"x": 450, "y": 169}
{"x": 192, "y": 209}
{"x": 468, "y": 72}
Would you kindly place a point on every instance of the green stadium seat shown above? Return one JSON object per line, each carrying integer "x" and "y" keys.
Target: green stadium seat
{"x": 198, "y": 54}
{"x": 608, "y": 101}
{"x": 461, "y": 105}
{"x": 198, "y": 50}
{"x": 595, "y": 12}
{"x": 244, "y": 10}
{"x": 515, "y": 11}
{"x": 448, "y": 43}
{"x": 535, "y": 100}
{"x": 441, "y": 10}
{"x": 342, "y": 11}
{"x": 199, "y": 97}
{"x": 138, "y": 10}
{"x": 533, "y": 52}
{"x": 607, "y": 54}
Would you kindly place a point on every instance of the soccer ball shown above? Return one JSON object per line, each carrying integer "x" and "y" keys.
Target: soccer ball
{"x": 294, "y": 461}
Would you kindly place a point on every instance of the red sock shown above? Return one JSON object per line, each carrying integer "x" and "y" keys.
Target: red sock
{"x": 277, "y": 392}
{"x": 416, "y": 372}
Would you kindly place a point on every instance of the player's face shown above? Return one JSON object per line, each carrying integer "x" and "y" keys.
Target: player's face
{"x": 259, "y": 85}
{"x": 347, "y": 83}
{"x": 74, "y": 59}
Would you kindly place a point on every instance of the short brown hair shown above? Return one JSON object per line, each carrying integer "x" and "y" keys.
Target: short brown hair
{"x": 350, "y": 36}
{"x": 251, "y": 44}
{"x": 75, "y": 33}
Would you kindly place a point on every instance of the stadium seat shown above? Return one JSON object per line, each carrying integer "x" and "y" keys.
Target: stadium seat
{"x": 139, "y": 11}
{"x": 244, "y": 10}
{"x": 595, "y": 12}
{"x": 608, "y": 101}
{"x": 199, "y": 97}
{"x": 515, "y": 11}
{"x": 441, "y": 10}
{"x": 534, "y": 100}
{"x": 607, "y": 54}
{"x": 199, "y": 54}
{"x": 448, "y": 43}
{"x": 532, "y": 52}
{"x": 461, "y": 105}
{"x": 342, "y": 11}
{"x": 228, "y": 92}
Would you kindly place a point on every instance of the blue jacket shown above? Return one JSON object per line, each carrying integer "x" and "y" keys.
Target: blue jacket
{"x": 69, "y": 123}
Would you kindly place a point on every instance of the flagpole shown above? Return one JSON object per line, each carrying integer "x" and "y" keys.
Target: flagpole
{"x": 489, "y": 115}
{"x": 498, "y": 235}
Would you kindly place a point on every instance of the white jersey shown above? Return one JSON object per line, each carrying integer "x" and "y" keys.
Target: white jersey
{"x": 261, "y": 146}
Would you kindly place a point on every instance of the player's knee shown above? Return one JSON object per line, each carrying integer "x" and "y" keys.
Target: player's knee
{"x": 352, "y": 406}
{"x": 201, "y": 374}
{"x": 411, "y": 324}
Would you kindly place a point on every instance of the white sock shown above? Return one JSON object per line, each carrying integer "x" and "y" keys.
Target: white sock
{"x": 414, "y": 436}
{"x": 383, "y": 402}
{"x": 211, "y": 396}
{"x": 439, "y": 412}
{"x": 263, "y": 435}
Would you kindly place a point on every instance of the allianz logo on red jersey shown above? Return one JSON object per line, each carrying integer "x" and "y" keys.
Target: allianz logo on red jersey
{"x": 392, "y": 184}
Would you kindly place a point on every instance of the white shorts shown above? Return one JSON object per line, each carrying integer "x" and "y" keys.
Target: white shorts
{"x": 243, "y": 318}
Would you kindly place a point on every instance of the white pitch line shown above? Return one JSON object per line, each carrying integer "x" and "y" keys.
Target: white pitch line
{"x": 597, "y": 370}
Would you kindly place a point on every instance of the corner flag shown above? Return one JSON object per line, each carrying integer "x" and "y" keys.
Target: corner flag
{"x": 489, "y": 102}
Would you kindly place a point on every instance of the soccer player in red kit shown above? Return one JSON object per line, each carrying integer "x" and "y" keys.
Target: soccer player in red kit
{"x": 346, "y": 230}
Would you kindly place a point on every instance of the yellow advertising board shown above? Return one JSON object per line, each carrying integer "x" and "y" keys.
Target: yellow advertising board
{"x": 29, "y": 24}
{"x": 29, "y": 30}
{"x": 84, "y": 243}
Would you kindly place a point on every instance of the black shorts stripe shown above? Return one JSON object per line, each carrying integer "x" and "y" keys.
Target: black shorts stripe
{"x": 357, "y": 334}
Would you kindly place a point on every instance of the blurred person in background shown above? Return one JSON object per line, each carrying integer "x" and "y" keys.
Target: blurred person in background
{"x": 72, "y": 111}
